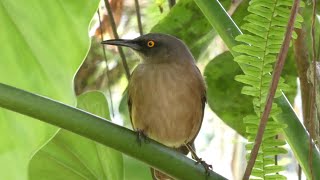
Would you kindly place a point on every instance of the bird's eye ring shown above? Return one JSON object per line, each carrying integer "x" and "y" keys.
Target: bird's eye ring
{"x": 150, "y": 43}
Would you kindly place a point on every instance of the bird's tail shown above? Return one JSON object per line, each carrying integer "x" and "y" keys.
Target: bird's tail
{"x": 158, "y": 175}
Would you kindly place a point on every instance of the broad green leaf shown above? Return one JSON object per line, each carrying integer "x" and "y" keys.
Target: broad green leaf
{"x": 71, "y": 156}
{"x": 135, "y": 170}
{"x": 42, "y": 45}
{"x": 224, "y": 96}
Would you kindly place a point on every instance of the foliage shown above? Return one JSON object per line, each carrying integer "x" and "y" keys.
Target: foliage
{"x": 223, "y": 93}
{"x": 42, "y": 45}
{"x": 71, "y": 156}
{"x": 265, "y": 27}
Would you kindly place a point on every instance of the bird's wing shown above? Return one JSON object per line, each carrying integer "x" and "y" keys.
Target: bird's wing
{"x": 203, "y": 104}
{"x": 183, "y": 148}
{"x": 130, "y": 107}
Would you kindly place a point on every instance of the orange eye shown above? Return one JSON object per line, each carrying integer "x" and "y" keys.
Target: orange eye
{"x": 150, "y": 43}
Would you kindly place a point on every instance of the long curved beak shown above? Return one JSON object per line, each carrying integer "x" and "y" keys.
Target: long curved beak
{"x": 123, "y": 42}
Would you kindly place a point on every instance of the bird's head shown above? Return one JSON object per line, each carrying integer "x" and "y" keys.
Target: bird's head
{"x": 155, "y": 48}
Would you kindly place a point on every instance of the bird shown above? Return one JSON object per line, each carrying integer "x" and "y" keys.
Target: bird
{"x": 166, "y": 93}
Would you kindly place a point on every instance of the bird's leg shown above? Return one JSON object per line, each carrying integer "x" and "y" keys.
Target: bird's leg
{"x": 206, "y": 166}
{"x": 141, "y": 136}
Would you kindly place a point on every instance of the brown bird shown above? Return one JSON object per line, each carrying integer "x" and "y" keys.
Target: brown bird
{"x": 166, "y": 92}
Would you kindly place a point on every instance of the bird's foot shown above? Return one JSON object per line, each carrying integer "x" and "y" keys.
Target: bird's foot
{"x": 141, "y": 136}
{"x": 206, "y": 166}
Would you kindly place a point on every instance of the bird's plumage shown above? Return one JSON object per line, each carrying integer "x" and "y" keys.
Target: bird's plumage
{"x": 166, "y": 102}
{"x": 166, "y": 92}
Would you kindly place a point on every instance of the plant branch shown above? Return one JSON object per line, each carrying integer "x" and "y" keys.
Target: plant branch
{"x": 273, "y": 88}
{"x": 295, "y": 133}
{"x": 98, "y": 129}
{"x": 301, "y": 57}
{"x": 294, "y": 137}
{"x": 314, "y": 66}
{"x": 137, "y": 6}
{"x": 115, "y": 33}
{"x": 171, "y": 3}
{"x": 313, "y": 91}
{"x": 105, "y": 59}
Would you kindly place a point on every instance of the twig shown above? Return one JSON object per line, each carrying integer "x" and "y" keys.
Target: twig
{"x": 105, "y": 59}
{"x": 314, "y": 65}
{"x": 313, "y": 93}
{"x": 302, "y": 61}
{"x": 272, "y": 90}
{"x": 136, "y": 3}
{"x": 318, "y": 54}
{"x": 299, "y": 172}
{"x": 276, "y": 156}
{"x": 171, "y": 3}
{"x": 114, "y": 30}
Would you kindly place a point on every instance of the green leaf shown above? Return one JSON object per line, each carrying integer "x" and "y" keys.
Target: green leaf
{"x": 71, "y": 156}
{"x": 94, "y": 102}
{"x": 42, "y": 45}
{"x": 135, "y": 170}
{"x": 223, "y": 94}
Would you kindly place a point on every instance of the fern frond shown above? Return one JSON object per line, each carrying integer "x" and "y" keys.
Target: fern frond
{"x": 264, "y": 34}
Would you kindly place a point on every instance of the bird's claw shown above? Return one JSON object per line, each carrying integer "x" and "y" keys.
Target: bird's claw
{"x": 141, "y": 136}
{"x": 206, "y": 166}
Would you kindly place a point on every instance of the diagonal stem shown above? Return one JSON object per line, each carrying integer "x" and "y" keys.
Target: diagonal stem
{"x": 272, "y": 90}
{"x": 115, "y": 33}
{"x": 102, "y": 131}
{"x": 302, "y": 62}
{"x": 107, "y": 70}
{"x": 312, "y": 106}
{"x": 136, "y": 3}
{"x": 171, "y": 3}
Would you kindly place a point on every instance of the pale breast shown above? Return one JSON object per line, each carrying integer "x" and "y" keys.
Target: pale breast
{"x": 167, "y": 102}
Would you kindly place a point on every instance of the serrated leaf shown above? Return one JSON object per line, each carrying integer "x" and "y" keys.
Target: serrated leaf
{"x": 258, "y": 30}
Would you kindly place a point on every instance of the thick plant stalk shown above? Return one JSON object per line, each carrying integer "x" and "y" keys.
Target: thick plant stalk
{"x": 104, "y": 132}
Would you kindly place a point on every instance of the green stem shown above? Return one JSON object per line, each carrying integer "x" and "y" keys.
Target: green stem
{"x": 296, "y": 135}
{"x": 102, "y": 131}
{"x": 221, "y": 22}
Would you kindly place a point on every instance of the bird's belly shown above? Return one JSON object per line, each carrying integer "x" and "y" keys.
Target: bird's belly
{"x": 167, "y": 109}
